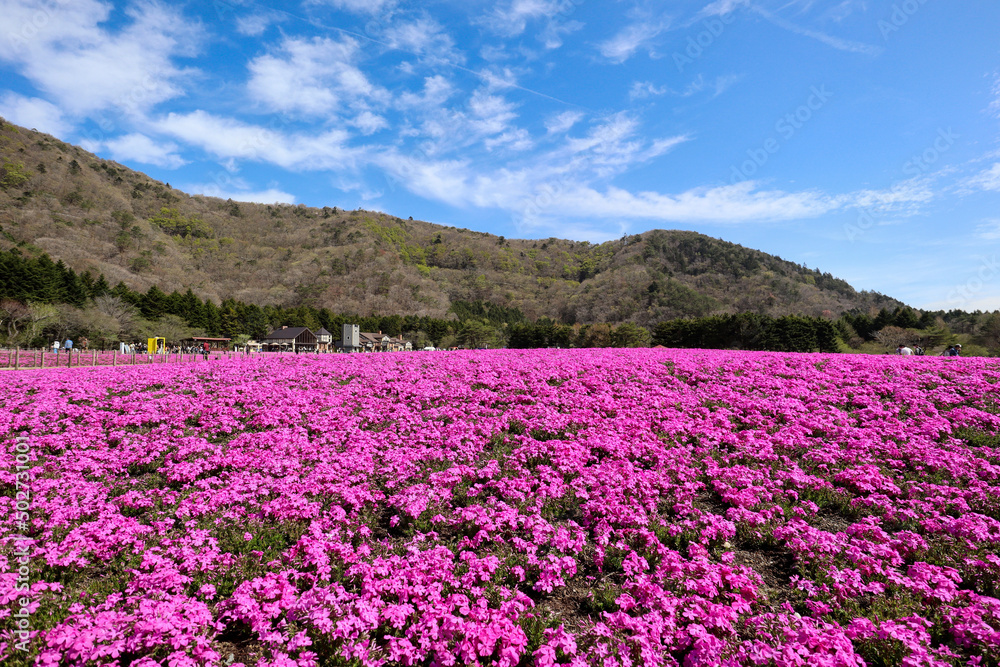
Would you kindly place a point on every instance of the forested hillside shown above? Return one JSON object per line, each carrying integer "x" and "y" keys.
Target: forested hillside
{"x": 100, "y": 217}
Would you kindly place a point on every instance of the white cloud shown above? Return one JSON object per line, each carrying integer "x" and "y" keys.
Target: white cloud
{"x": 140, "y": 148}
{"x": 229, "y": 138}
{"x": 436, "y": 92}
{"x": 564, "y": 122}
{"x": 32, "y": 112}
{"x": 271, "y": 196}
{"x": 486, "y": 119}
{"x": 535, "y": 201}
{"x": 423, "y": 37}
{"x": 902, "y": 196}
{"x": 718, "y": 85}
{"x": 312, "y": 77}
{"x": 552, "y": 35}
{"x": 497, "y": 79}
{"x": 369, "y": 123}
{"x": 511, "y": 18}
{"x": 829, "y": 40}
{"x": 87, "y": 68}
{"x": 721, "y": 8}
{"x": 254, "y": 25}
{"x": 988, "y": 179}
{"x": 358, "y": 6}
{"x": 642, "y": 89}
{"x": 624, "y": 45}
{"x": 511, "y": 141}
{"x": 989, "y": 230}
{"x": 722, "y": 204}
{"x": 613, "y": 146}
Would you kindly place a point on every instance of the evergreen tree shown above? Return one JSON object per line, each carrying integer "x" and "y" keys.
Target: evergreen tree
{"x": 45, "y": 281}
{"x": 883, "y": 319}
{"x": 174, "y": 304}
{"x": 213, "y": 321}
{"x": 72, "y": 290}
{"x": 229, "y": 322}
{"x": 254, "y": 322}
{"x": 100, "y": 287}
{"x": 122, "y": 291}
{"x": 906, "y": 318}
{"x": 827, "y": 336}
{"x": 193, "y": 310}
{"x": 153, "y": 304}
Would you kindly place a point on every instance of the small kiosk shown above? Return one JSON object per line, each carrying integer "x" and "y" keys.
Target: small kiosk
{"x": 156, "y": 345}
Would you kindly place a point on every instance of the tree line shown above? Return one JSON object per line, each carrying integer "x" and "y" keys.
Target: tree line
{"x": 41, "y": 299}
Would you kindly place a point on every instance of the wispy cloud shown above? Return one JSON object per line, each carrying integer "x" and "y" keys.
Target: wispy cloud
{"x": 905, "y": 196}
{"x": 563, "y": 122}
{"x": 254, "y": 25}
{"x": 989, "y": 230}
{"x": 988, "y": 179}
{"x": 721, "y": 8}
{"x": 831, "y": 41}
{"x": 227, "y": 138}
{"x": 717, "y": 86}
{"x": 358, "y": 6}
{"x": 270, "y": 196}
{"x": 140, "y": 148}
{"x": 629, "y": 40}
{"x": 423, "y": 37}
{"x": 641, "y": 90}
{"x": 511, "y": 18}
{"x": 34, "y": 113}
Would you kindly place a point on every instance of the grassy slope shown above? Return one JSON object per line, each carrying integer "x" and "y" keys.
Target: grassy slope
{"x": 95, "y": 214}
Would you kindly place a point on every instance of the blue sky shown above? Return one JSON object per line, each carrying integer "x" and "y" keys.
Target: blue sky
{"x": 858, "y": 137}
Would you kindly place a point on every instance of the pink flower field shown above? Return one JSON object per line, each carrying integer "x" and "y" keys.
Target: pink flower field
{"x": 585, "y": 507}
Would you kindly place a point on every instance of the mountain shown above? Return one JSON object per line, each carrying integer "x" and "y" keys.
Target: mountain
{"x": 99, "y": 216}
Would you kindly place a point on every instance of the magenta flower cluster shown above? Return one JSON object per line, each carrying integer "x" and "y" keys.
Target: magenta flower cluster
{"x": 582, "y": 507}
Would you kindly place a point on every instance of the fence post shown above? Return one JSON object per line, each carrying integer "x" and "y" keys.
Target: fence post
{"x": 95, "y": 358}
{"x": 114, "y": 358}
{"x": 69, "y": 358}
{"x": 17, "y": 361}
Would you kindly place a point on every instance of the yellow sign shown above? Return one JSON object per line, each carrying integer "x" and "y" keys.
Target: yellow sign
{"x": 156, "y": 345}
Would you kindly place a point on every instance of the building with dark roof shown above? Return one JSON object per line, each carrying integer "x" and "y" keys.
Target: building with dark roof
{"x": 292, "y": 339}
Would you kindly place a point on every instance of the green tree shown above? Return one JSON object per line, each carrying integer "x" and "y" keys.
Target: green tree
{"x": 229, "y": 322}
{"x": 13, "y": 175}
{"x": 906, "y": 318}
{"x": 153, "y": 304}
{"x": 474, "y": 335}
{"x": 255, "y": 324}
{"x": 213, "y": 321}
{"x": 175, "y": 329}
{"x": 628, "y": 334}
